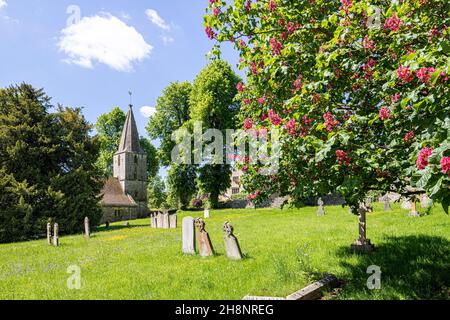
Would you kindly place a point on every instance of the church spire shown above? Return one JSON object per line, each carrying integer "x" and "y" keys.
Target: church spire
{"x": 129, "y": 142}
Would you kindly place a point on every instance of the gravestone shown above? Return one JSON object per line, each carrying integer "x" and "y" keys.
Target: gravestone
{"x": 205, "y": 247}
{"x": 387, "y": 204}
{"x": 153, "y": 221}
{"x": 231, "y": 243}
{"x": 206, "y": 214}
{"x": 173, "y": 220}
{"x": 49, "y": 234}
{"x": 188, "y": 234}
{"x": 87, "y": 229}
{"x": 414, "y": 212}
{"x": 55, "y": 235}
{"x": 321, "y": 210}
{"x": 425, "y": 202}
{"x": 362, "y": 244}
{"x": 369, "y": 206}
{"x": 165, "y": 220}
{"x": 159, "y": 220}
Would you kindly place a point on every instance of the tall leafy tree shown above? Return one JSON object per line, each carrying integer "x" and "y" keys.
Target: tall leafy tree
{"x": 47, "y": 166}
{"x": 213, "y": 103}
{"x": 182, "y": 184}
{"x": 157, "y": 194}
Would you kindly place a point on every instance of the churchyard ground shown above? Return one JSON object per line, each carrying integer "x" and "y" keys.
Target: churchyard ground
{"x": 285, "y": 250}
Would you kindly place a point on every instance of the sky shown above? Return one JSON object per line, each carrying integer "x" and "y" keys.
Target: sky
{"x": 91, "y": 53}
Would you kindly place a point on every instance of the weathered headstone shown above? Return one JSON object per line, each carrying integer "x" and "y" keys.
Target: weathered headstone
{"x": 87, "y": 228}
{"x": 165, "y": 220}
{"x": 205, "y": 247}
{"x": 414, "y": 212}
{"x": 231, "y": 243}
{"x": 387, "y": 204}
{"x": 362, "y": 244}
{"x": 206, "y": 214}
{"x": 173, "y": 220}
{"x": 369, "y": 206}
{"x": 321, "y": 210}
{"x": 159, "y": 220}
{"x": 425, "y": 202}
{"x": 55, "y": 235}
{"x": 188, "y": 233}
{"x": 49, "y": 234}
{"x": 153, "y": 221}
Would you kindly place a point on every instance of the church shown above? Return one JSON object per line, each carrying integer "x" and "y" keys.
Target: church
{"x": 124, "y": 195}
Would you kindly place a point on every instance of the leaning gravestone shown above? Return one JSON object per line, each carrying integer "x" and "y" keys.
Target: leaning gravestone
{"x": 87, "y": 229}
{"x": 188, "y": 235}
{"x": 49, "y": 234}
{"x": 321, "y": 210}
{"x": 387, "y": 204}
{"x": 231, "y": 243}
{"x": 55, "y": 235}
{"x": 205, "y": 247}
{"x": 173, "y": 220}
{"x": 206, "y": 214}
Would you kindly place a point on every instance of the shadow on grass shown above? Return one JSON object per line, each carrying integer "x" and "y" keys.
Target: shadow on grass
{"x": 412, "y": 267}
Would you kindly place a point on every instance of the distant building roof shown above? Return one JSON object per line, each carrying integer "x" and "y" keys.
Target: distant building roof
{"x": 113, "y": 195}
{"x": 129, "y": 142}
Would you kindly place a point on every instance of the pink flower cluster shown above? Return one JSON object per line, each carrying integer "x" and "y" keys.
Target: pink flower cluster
{"x": 368, "y": 44}
{"x": 240, "y": 87}
{"x": 272, "y": 5}
{"x": 395, "y": 97}
{"x": 422, "y": 160}
{"x": 291, "y": 127}
{"x": 298, "y": 83}
{"x": 409, "y": 136}
{"x": 274, "y": 118}
{"x": 385, "y": 113}
{"x": 343, "y": 157}
{"x": 393, "y": 23}
{"x": 216, "y": 12}
{"x": 304, "y": 127}
{"x": 424, "y": 74}
{"x": 404, "y": 74}
{"x": 248, "y": 5}
{"x": 210, "y": 32}
{"x": 276, "y": 46}
{"x": 248, "y": 124}
{"x": 445, "y": 165}
{"x": 330, "y": 122}
{"x": 253, "y": 196}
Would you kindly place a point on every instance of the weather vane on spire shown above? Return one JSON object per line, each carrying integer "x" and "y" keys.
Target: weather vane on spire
{"x": 131, "y": 98}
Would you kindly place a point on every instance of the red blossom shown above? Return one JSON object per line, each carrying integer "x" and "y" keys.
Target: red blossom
{"x": 330, "y": 122}
{"x": 343, "y": 157}
{"x": 393, "y": 23}
{"x": 276, "y": 46}
{"x": 424, "y": 74}
{"x": 240, "y": 87}
{"x": 248, "y": 124}
{"x": 210, "y": 32}
{"x": 274, "y": 118}
{"x": 385, "y": 113}
{"x": 291, "y": 127}
{"x": 404, "y": 74}
{"x": 272, "y": 5}
{"x": 422, "y": 160}
{"x": 445, "y": 165}
{"x": 395, "y": 97}
{"x": 368, "y": 44}
{"x": 409, "y": 136}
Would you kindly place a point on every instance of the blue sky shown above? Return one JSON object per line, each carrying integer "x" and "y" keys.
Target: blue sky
{"x": 93, "y": 59}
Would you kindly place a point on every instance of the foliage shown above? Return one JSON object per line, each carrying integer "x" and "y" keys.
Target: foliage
{"x": 181, "y": 183}
{"x": 197, "y": 203}
{"x": 152, "y": 157}
{"x": 157, "y": 195}
{"x": 48, "y": 166}
{"x": 213, "y": 103}
{"x": 357, "y": 92}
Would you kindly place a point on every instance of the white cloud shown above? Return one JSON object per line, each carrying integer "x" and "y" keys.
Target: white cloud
{"x": 167, "y": 39}
{"x": 3, "y": 4}
{"x": 148, "y": 112}
{"x": 103, "y": 39}
{"x": 156, "y": 19}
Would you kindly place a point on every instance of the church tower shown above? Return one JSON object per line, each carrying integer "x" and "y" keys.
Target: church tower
{"x": 130, "y": 165}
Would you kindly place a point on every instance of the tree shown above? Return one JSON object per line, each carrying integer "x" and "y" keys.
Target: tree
{"x": 47, "y": 168}
{"x": 157, "y": 195}
{"x": 181, "y": 183}
{"x": 109, "y": 128}
{"x": 359, "y": 88}
{"x": 213, "y": 103}
{"x": 172, "y": 111}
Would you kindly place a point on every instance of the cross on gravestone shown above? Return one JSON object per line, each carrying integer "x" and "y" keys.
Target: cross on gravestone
{"x": 321, "y": 210}
{"x": 231, "y": 243}
{"x": 206, "y": 214}
{"x": 188, "y": 234}
{"x": 362, "y": 244}
{"x": 173, "y": 221}
{"x": 55, "y": 235}
{"x": 387, "y": 204}
{"x": 205, "y": 247}
{"x": 87, "y": 229}
{"x": 49, "y": 234}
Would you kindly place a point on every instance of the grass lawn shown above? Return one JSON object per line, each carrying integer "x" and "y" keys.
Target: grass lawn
{"x": 285, "y": 250}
